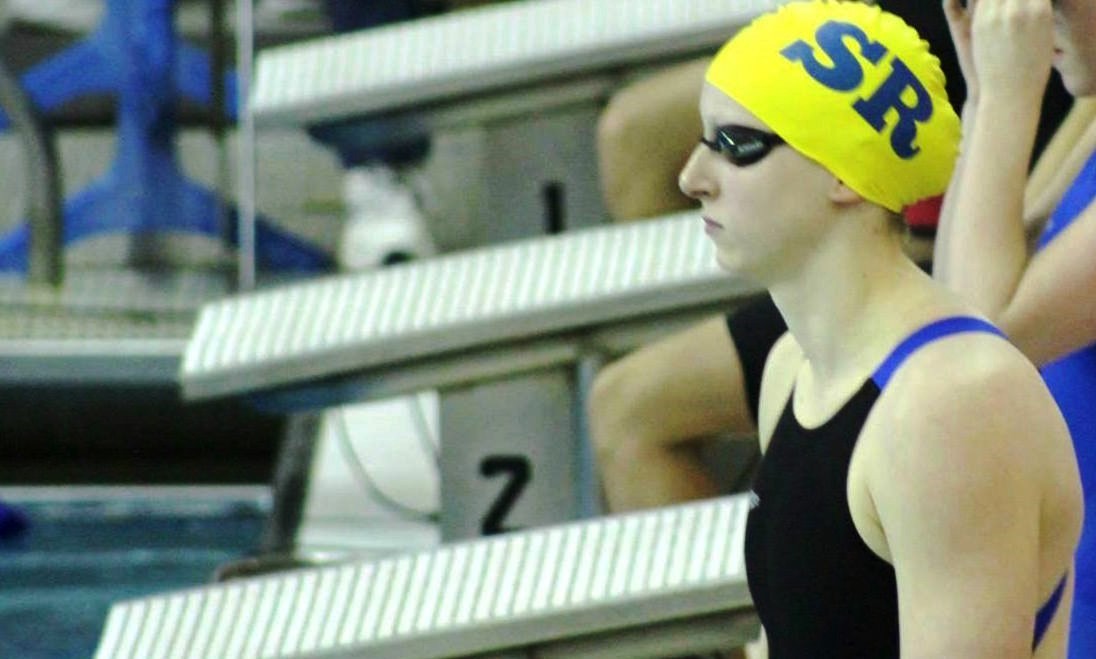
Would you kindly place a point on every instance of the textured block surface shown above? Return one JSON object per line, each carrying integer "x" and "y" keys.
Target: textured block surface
{"x": 515, "y": 590}
{"x": 476, "y": 51}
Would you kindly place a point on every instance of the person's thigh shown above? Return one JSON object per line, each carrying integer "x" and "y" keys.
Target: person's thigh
{"x": 645, "y": 135}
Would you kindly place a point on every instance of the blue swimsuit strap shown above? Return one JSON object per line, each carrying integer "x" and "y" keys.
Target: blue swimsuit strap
{"x": 1046, "y": 612}
{"x": 936, "y": 330}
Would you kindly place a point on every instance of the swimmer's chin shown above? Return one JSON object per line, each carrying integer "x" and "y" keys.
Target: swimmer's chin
{"x": 728, "y": 265}
{"x": 735, "y": 268}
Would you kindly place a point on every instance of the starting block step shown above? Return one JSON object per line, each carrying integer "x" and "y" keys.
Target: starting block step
{"x": 460, "y": 54}
{"x": 482, "y": 299}
{"x": 608, "y": 585}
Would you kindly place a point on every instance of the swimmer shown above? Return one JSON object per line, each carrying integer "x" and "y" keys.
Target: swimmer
{"x": 918, "y": 494}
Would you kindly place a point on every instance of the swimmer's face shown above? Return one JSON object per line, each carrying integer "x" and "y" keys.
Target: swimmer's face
{"x": 759, "y": 198}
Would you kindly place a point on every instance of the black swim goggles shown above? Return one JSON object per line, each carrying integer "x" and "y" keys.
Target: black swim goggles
{"x": 742, "y": 145}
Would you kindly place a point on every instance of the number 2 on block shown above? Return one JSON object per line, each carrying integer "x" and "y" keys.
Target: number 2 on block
{"x": 520, "y": 471}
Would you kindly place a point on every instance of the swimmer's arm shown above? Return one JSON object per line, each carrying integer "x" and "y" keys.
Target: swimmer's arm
{"x": 956, "y": 495}
{"x": 1062, "y": 159}
{"x": 943, "y": 250}
{"x": 1053, "y": 310}
{"x": 981, "y": 248}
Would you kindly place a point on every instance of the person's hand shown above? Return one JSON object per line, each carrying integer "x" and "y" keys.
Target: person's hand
{"x": 959, "y": 19}
{"x": 1012, "y": 47}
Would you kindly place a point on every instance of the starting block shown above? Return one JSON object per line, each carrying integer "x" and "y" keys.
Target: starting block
{"x": 509, "y": 335}
{"x": 519, "y": 84}
{"x": 653, "y": 584}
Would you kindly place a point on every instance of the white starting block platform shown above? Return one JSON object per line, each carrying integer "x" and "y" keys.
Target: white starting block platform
{"x": 500, "y": 47}
{"x": 653, "y": 584}
{"x": 409, "y": 327}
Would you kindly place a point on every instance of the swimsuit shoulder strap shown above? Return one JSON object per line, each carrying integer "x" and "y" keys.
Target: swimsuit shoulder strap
{"x": 935, "y": 330}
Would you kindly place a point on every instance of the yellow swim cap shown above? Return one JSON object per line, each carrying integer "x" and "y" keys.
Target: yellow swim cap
{"x": 852, "y": 87}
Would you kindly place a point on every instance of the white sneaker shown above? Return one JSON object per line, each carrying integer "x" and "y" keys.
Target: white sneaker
{"x": 384, "y": 224}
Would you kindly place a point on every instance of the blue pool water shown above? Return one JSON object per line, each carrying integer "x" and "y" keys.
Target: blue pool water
{"x": 59, "y": 577}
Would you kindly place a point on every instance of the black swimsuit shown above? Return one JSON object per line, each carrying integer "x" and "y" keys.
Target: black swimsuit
{"x": 820, "y": 591}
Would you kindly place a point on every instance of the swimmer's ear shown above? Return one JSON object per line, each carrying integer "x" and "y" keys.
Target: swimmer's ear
{"x": 843, "y": 195}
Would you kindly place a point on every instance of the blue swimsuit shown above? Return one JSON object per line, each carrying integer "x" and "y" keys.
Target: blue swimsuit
{"x": 1072, "y": 381}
